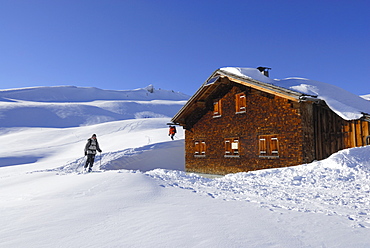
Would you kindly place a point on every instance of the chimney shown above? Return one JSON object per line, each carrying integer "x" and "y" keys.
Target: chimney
{"x": 264, "y": 70}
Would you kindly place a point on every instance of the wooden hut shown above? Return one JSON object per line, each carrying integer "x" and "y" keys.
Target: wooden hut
{"x": 238, "y": 122}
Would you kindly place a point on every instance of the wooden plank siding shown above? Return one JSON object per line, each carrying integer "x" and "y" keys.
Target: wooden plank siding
{"x": 366, "y": 131}
{"x": 355, "y": 133}
{"x": 332, "y": 133}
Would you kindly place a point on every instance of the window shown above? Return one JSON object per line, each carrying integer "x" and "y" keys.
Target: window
{"x": 240, "y": 103}
{"x": 217, "y": 108}
{"x": 232, "y": 147}
{"x": 200, "y": 148}
{"x": 268, "y": 146}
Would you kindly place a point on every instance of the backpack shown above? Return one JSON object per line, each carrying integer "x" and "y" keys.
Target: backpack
{"x": 172, "y": 129}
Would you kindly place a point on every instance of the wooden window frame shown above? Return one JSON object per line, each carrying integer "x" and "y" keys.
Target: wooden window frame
{"x": 217, "y": 108}
{"x": 268, "y": 146}
{"x": 232, "y": 148}
{"x": 240, "y": 103}
{"x": 200, "y": 148}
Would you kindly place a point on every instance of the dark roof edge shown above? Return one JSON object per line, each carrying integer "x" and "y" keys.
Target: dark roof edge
{"x": 191, "y": 99}
{"x": 366, "y": 117}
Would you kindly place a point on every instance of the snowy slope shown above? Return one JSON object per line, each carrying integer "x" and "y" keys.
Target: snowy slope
{"x": 70, "y": 106}
{"x": 139, "y": 195}
{"x": 367, "y": 97}
{"x": 88, "y": 94}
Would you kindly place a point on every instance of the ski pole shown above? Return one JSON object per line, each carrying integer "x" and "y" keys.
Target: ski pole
{"x": 79, "y": 164}
{"x": 100, "y": 160}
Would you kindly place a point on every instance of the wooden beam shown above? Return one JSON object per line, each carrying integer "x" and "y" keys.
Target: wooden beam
{"x": 346, "y": 131}
{"x": 365, "y": 131}
{"x": 359, "y": 141}
{"x": 201, "y": 104}
{"x": 354, "y": 144}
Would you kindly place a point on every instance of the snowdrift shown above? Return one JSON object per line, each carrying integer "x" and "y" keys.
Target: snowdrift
{"x": 338, "y": 185}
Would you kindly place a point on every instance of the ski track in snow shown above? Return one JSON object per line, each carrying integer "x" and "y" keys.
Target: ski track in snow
{"x": 339, "y": 185}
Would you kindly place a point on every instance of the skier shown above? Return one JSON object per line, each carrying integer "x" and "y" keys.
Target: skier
{"x": 90, "y": 150}
{"x": 172, "y": 131}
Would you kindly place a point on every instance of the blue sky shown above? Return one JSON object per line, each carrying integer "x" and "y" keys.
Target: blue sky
{"x": 176, "y": 45}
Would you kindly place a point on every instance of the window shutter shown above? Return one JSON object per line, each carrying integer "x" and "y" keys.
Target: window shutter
{"x": 199, "y": 148}
{"x": 240, "y": 103}
{"x": 268, "y": 146}
{"x": 227, "y": 147}
{"x": 196, "y": 148}
{"x": 262, "y": 146}
{"x": 217, "y": 108}
{"x": 203, "y": 148}
{"x": 274, "y": 146}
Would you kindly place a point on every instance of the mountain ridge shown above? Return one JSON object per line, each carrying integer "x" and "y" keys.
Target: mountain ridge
{"x": 87, "y": 94}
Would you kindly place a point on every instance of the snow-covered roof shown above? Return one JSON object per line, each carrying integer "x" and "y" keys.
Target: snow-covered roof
{"x": 345, "y": 104}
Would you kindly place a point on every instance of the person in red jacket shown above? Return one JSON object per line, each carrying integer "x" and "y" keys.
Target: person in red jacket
{"x": 172, "y": 132}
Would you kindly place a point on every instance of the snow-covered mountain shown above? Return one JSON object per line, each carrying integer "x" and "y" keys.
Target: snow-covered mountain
{"x": 367, "y": 97}
{"x": 88, "y": 94}
{"x": 69, "y": 106}
{"x": 139, "y": 195}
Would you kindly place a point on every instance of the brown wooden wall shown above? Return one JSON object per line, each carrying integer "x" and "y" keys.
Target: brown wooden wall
{"x": 266, "y": 114}
{"x": 356, "y": 133}
{"x": 328, "y": 131}
{"x": 332, "y": 133}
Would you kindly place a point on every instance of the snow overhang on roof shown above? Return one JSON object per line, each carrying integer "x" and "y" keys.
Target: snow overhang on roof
{"x": 255, "y": 79}
{"x": 347, "y": 105}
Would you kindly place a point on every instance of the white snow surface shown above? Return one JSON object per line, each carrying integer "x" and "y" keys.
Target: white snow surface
{"x": 367, "y": 97}
{"x": 140, "y": 196}
{"x": 70, "y": 106}
{"x": 345, "y": 104}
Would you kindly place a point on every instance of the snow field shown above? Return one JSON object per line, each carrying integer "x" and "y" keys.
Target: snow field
{"x": 129, "y": 209}
{"x": 139, "y": 195}
{"x": 338, "y": 185}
